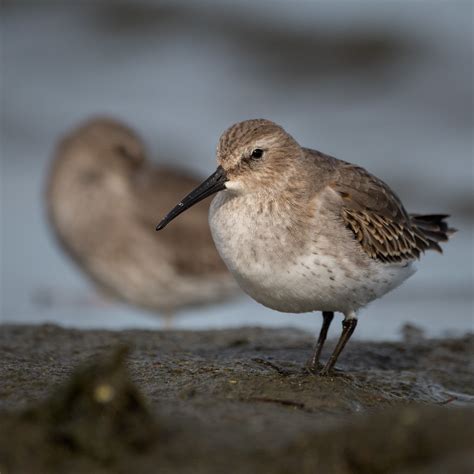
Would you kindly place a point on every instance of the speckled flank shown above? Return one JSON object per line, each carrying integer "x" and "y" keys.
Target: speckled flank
{"x": 297, "y": 278}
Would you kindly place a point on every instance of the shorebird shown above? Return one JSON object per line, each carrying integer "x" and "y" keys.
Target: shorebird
{"x": 102, "y": 196}
{"x": 303, "y": 231}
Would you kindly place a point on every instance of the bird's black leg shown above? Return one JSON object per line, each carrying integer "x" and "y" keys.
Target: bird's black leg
{"x": 314, "y": 361}
{"x": 348, "y": 327}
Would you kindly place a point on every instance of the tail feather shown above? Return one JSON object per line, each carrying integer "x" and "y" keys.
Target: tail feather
{"x": 432, "y": 228}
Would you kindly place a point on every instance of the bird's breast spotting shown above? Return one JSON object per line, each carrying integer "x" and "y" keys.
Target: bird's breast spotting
{"x": 279, "y": 273}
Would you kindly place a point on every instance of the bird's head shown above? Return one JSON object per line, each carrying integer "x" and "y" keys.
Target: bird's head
{"x": 253, "y": 156}
{"x": 99, "y": 151}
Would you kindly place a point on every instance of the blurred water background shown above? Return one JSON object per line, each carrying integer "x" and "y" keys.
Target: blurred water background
{"x": 387, "y": 85}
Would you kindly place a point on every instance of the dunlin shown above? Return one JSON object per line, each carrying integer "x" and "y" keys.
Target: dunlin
{"x": 302, "y": 231}
{"x": 102, "y": 198}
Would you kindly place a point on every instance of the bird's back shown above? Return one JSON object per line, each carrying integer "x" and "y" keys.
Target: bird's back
{"x": 375, "y": 214}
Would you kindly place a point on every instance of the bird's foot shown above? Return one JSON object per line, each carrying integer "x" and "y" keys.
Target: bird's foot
{"x": 324, "y": 372}
{"x": 316, "y": 368}
{"x": 312, "y": 367}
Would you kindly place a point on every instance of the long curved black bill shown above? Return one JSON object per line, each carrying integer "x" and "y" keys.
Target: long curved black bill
{"x": 213, "y": 184}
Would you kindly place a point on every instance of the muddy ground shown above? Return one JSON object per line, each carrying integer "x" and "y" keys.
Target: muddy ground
{"x": 231, "y": 401}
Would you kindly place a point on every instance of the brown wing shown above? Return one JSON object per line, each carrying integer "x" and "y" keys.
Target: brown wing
{"x": 376, "y": 216}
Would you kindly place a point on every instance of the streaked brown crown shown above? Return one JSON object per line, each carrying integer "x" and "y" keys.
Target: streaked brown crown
{"x": 245, "y": 134}
{"x": 237, "y": 143}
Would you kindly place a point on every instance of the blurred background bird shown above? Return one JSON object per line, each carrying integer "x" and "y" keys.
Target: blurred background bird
{"x": 103, "y": 198}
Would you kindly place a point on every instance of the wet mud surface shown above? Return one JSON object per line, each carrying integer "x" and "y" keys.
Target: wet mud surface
{"x": 231, "y": 401}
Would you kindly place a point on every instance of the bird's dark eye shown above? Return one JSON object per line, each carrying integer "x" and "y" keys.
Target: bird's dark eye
{"x": 130, "y": 155}
{"x": 257, "y": 153}
{"x": 123, "y": 152}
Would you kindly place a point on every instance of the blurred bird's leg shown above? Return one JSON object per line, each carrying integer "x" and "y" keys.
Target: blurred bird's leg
{"x": 168, "y": 319}
{"x": 348, "y": 327}
{"x": 313, "y": 363}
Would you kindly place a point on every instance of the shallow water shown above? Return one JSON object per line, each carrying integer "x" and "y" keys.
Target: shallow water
{"x": 401, "y": 107}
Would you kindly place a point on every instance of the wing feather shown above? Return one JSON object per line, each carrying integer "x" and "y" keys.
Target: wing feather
{"x": 376, "y": 216}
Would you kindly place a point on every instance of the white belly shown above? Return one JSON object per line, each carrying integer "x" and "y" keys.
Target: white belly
{"x": 291, "y": 279}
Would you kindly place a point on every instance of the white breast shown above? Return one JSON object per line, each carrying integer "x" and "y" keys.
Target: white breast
{"x": 280, "y": 274}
